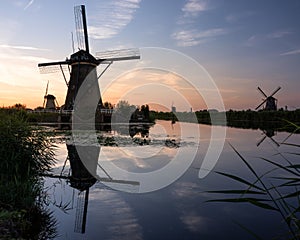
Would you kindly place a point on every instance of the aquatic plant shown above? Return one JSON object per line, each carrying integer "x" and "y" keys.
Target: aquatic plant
{"x": 275, "y": 190}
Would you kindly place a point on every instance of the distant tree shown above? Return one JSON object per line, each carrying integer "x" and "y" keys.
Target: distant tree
{"x": 123, "y": 111}
{"x": 19, "y": 106}
{"x": 145, "y": 111}
{"x": 108, "y": 105}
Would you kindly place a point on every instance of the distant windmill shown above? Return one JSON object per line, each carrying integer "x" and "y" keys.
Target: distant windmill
{"x": 271, "y": 102}
{"x": 82, "y": 64}
{"x": 50, "y": 102}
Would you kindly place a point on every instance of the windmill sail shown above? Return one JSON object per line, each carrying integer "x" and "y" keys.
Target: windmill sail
{"x": 45, "y": 96}
{"x": 81, "y": 28}
{"x": 119, "y": 55}
{"x": 275, "y": 91}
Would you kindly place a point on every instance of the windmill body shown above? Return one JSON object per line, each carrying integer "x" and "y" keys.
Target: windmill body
{"x": 82, "y": 65}
{"x": 271, "y": 104}
{"x": 50, "y": 102}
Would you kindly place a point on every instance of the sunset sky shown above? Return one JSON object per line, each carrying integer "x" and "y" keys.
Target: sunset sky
{"x": 240, "y": 44}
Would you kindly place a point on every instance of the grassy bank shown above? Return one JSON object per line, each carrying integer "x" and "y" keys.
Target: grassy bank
{"x": 25, "y": 153}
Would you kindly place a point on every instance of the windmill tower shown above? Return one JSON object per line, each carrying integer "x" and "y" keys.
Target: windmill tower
{"x": 50, "y": 102}
{"x": 271, "y": 102}
{"x": 83, "y": 64}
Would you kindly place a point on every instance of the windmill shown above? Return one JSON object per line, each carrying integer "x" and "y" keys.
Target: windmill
{"x": 50, "y": 102}
{"x": 271, "y": 102}
{"x": 83, "y": 64}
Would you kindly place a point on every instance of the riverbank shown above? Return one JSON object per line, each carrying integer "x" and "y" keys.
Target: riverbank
{"x": 279, "y": 120}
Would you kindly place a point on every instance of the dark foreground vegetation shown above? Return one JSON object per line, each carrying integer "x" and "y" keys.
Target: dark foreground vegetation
{"x": 25, "y": 154}
{"x": 275, "y": 189}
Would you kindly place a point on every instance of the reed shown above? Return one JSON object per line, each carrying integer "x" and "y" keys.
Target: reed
{"x": 25, "y": 154}
{"x": 274, "y": 190}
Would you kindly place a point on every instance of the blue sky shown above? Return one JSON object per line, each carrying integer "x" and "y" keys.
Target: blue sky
{"x": 242, "y": 44}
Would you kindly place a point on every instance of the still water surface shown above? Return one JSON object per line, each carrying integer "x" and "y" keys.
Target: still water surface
{"x": 94, "y": 210}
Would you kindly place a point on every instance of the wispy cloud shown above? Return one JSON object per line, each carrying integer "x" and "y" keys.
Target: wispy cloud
{"x": 29, "y": 4}
{"x": 293, "y": 52}
{"x": 22, "y": 47}
{"x": 112, "y": 18}
{"x": 188, "y": 38}
{"x": 279, "y": 34}
{"x": 231, "y": 18}
{"x": 194, "y": 7}
{"x": 259, "y": 38}
{"x": 188, "y": 34}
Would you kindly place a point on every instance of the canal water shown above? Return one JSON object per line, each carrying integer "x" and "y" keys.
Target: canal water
{"x": 120, "y": 197}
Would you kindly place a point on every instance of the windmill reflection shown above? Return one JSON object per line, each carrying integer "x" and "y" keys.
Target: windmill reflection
{"x": 82, "y": 176}
{"x": 172, "y": 141}
{"x": 81, "y": 179}
{"x": 268, "y": 133}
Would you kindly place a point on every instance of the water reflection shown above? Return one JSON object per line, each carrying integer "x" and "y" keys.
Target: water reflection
{"x": 81, "y": 177}
{"x": 268, "y": 133}
{"x": 178, "y": 211}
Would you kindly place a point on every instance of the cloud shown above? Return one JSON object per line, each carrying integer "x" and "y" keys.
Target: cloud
{"x": 259, "y": 38}
{"x": 194, "y": 7}
{"x": 231, "y": 18}
{"x": 188, "y": 38}
{"x": 21, "y": 47}
{"x": 112, "y": 18}
{"x": 188, "y": 35}
{"x": 293, "y": 52}
{"x": 29, "y": 4}
{"x": 251, "y": 41}
{"x": 279, "y": 34}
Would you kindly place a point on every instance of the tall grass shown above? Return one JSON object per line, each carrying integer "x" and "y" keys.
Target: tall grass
{"x": 25, "y": 153}
{"x": 277, "y": 189}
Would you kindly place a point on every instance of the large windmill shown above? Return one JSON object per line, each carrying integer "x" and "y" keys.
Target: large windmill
{"x": 271, "y": 102}
{"x": 83, "y": 64}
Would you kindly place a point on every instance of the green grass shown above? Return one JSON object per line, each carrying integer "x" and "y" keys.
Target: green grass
{"x": 25, "y": 154}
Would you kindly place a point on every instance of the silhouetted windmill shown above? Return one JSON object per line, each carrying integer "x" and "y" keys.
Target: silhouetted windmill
{"x": 82, "y": 64}
{"x": 50, "y": 102}
{"x": 271, "y": 102}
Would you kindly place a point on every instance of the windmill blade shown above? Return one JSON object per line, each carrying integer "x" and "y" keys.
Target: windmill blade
{"x": 275, "y": 91}
{"x": 118, "y": 55}
{"x": 262, "y": 92}
{"x": 276, "y": 143}
{"x": 45, "y": 96}
{"x": 261, "y": 104}
{"x": 44, "y": 101}
{"x": 81, "y": 27}
{"x": 260, "y": 141}
{"x": 52, "y": 68}
{"x": 47, "y": 88}
{"x": 56, "y": 102}
{"x": 53, "y": 63}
